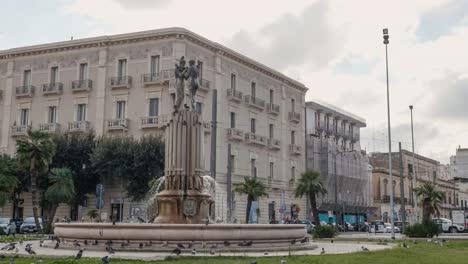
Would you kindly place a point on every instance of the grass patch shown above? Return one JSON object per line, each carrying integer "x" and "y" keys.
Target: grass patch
{"x": 454, "y": 251}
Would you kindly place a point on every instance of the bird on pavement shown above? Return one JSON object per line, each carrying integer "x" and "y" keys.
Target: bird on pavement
{"x": 364, "y": 248}
{"x": 265, "y": 253}
{"x": 140, "y": 245}
{"x": 305, "y": 240}
{"x": 30, "y": 251}
{"x": 80, "y": 254}
{"x": 179, "y": 245}
{"x": 76, "y": 244}
{"x": 176, "y": 251}
{"x": 194, "y": 251}
{"x": 57, "y": 245}
{"x": 323, "y": 251}
{"x": 110, "y": 250}
{"x": 293, "y": 242}
{"x": 404, "y": 245}
{"x": 105, "y": 260}
{"x": 41, "y": 242}
{"x": 212, "y": 252}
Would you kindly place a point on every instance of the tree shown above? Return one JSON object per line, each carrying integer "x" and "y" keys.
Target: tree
{"x": 8, "y": 178}
{"x": 254, "y": 189}
{"x": 73, "y": 151}
{"x": 35, "y": 153}
{"x": 60, "y": 190}
{"x": 310, "y": 185}
{"x": 431, "y": 198}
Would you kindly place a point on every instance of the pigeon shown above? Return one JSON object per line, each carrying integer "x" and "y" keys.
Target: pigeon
{"x": 179, "y": 245}
{"x": 305, "y": 240}
{"x": 9, "y": 246}
{"x": 140, "y": 245}
{"x": 194, "y": 251}
{"x": 226, "y": 243}
{"x": 265, "y": 253}
{"x": 212, "y": 252}
{"x": 28, "y": 245}
{"x": 85, "y": 242}
{"x": 76, "y": 244}
{"x": 80, "y": 254}
{"x": 57, "y": 245}
{"x": 94, "y": 243}
{"x": 364, "y": 248}
{"x": 41, "y": 242}
{"x": 404, "y": 245}
{"x": 323, "y": 251}
{"x": 30, "y": 251}
{"x": 110, "y": 250}
{"x": 293, "y": 242}
{"x": 176, "y": 251}
{"x": 105, "y": 260}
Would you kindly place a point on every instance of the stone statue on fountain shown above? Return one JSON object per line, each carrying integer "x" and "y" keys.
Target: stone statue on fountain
{"x": 182, "y": 73}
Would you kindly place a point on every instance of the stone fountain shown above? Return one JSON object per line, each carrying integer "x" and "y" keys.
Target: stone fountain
{"x": 183, "y": 205}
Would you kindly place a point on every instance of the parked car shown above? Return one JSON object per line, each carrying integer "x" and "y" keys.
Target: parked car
{"x": 29, "y": 225}
{"x": 362, "y": 226}
{"x": 377, "y": 226}
{"x": 447, "y": 225}
{"x": 8, "y": 226}
{"x": 399, "y": 224}
{"x": 388, "y": 228}
{"x": 309, "y": 226}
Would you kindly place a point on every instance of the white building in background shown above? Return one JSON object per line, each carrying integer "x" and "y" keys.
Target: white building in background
{"x": 459, "y": 164}
{"x": 123, "y": 84}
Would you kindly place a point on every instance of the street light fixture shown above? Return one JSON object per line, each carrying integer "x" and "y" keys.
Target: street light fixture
{"x": 386, "y": 41}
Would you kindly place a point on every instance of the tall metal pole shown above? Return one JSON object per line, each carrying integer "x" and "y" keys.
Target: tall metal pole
{"x": 214, "y": 114}
{"x": 415, "y": 203}
{"x": 336, "y": 191}
{"x": 402, "y": 191}
{"x": 228, "y": 185}
{"x": 386, "y": 37}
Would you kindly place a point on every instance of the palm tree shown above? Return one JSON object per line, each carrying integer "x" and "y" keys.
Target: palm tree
{"x": 431, "y": 198}
{"x": 254, "y": 189}
{"x": 61, "y": 190}
{"x": 8, "y": 178}
{"x": 310, "y": 185}
{"x": 35, "y": 153}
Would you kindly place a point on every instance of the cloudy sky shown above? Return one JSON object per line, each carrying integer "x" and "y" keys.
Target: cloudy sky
{"x": 334, "y": 47}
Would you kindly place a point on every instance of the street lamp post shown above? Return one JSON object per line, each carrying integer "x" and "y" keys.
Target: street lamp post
{"x": 413, "y": 180}
{"x": 386, "y": 37}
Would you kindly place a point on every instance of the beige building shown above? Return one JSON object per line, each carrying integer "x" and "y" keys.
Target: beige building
{"x": 124, "y": 84}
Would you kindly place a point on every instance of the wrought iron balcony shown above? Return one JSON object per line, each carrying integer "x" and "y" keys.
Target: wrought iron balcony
{"x": 295, "y": 117}
{"x": 274, "y": 143}
{"x": 50, "y": 127}
{"x": 254, "y": 102}
{"x": 19, "y": 130}
{"x": 52, "y": 88}
{"x": 82, "y": 85}
{"x": 273, "y": 109}
{"x": 27, "y": 90}
{"x": 235, "y": 134}
{"x": 77, "y": 126}
{"x": 154, "y": 121}
{"x": 117, "y": 124}
{"x": 234, "y": 95}
{"x": 295, "y": 149}
{"x": 252, "y": 138}
{"x": 121, "y": 82}
{"x": 160, "y": 77}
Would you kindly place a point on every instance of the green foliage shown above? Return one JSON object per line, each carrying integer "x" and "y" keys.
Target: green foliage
{"x": 422, "y": 230}
{"x": 135, "y": 162}
{"x": 61, "y": 189}
{"x": 8, "y": 178}
{"x": 254, "y": 189}
{"x": 310, "y": 185}
{"x": 431, "y": 198}
{"x": 325, "y": 231}
{"x": 38, "y": 148}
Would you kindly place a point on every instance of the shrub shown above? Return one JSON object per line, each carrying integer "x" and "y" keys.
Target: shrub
{"x": 421, "y": 230}
{"x": 324, "y": 231}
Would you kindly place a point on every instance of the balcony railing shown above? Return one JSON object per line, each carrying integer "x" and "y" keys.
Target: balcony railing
{"x": 254, "y": 102}
{"x": 295, "y": 149}
{"x": 121, "y": 82}
{"x": 158, "y": 77}
{"x": 50, "y": 127}
{"x": 294, "y": 117}
{"x": 235, "y": 134}
{"x": 274, "y": 143}
{"x": 27, "y": 90}
{"x": 273, "y": 109}
{"x": 52, "y": 88}
{"x": 117, "y": 124}
{"x": 234, "y": 95}
{"x": 82, "y": 85}
{"x": 154, "y": 121}
{"x": 252, "y": 138}
{"x": 19, "y": 130}
{"x": 79, "y": 126}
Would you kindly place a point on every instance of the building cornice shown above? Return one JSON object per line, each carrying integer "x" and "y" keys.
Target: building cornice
{"x": 167, "y": 33}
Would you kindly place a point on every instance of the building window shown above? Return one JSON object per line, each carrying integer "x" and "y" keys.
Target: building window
{"x": 253, "y": 168}
{"x": 271, "y": 96}
{"x": 293, "y": 137}
{"x": 293, "y": 105}
{"x": 53, "y": 74}
{"x": 27, "y": 78}
{"x": 81, "y": 112}
{"x": 120, "y": 110}
{"x": 154, "y": 64}
{"x": 434, "y": 175}
{"x": 272, "y": 169}
{"x": 232, "y": 117}
{"x": 293, "y": 173}
{"x": 83, "y": 71}
{"x": 153, "y": 107}
{"x": 253, "y": 89}
{"x": 199, "y": 107}
{"x": 450, "y": 199}
{"x": 252, "y": 125}
{"x": 200, "y": 69}
{"x": 122, "y": 68}
{"x": 233, "y": 81}
{"x": 24, "y": 117}
{"x": 52, "y": 115}
{"x": 271, "y": 131}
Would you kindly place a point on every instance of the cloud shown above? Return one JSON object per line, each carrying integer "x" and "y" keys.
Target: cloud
{"x": 143, "y": 4}
{"x": 441, "y": 20}
{"x": 355, "y": 64}
{"x": 449, "y": 97}
{"x": 294, "y": 39}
